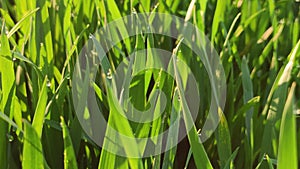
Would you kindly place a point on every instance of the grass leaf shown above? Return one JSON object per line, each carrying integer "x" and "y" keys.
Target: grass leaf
{"x": 32, "y": 149}
{"x": 38, "y": 120}
{"x": 19, "y": 24}
{"x": 8, "y": 91}
{"x": 287, "y": 151}
{"x": 69, "y": 155}
{"x": 223, "y": 140}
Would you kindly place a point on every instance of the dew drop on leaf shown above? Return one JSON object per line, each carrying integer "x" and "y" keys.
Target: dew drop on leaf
{"x": 109, "y": 75}
{"x": 10, "y": 137}
{"x": 48, "y": 84}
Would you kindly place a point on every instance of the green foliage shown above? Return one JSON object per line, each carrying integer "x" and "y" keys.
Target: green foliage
{"x": 258, "y": 43}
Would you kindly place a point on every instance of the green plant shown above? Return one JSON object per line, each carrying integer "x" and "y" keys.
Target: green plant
{"x": 258, "y": 43}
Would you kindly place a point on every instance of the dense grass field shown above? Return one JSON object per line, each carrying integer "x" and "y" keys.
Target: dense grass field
{"x": 257, "y": 42}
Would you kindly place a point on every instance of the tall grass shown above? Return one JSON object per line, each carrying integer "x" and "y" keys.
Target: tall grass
{"x": 258, "y": 43}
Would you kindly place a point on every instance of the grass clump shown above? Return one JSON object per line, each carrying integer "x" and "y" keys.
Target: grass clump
{"x": 258, "y": 44}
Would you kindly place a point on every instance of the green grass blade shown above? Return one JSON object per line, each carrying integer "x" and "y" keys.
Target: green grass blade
{"x": 247, "y": 106}
{"x": 269, "y": 161}
{"x": 248, "y": 95}
{"x": 287, "y": 150}
{"x": 200, "y": 12}
{"x": 276, "y": 100}
{"x": 8, "y": 20}
{"x": 173, "y": 134}
{"x": 115, "y": 120}
{"x": 17, "y": 112}
{"x": 19, "y": 56}
{"x": 199, "y": 154}
{"x": 8, "y": 91}
{"x": 188, "y": 159}
{"x": 246, "y": 23}
{"x": 107, "y": 160}
{"x": 223, "y": 140}
{"x": 122, "y": 126}
{"x": 229, "y": 163}
{"x": 218, "y": 17}
{"x": 116, "y": 14}
{"x": 74, "y": 46}
{"x": 69, "y": 155}
{"x": 9, "y": 121}
{"x": 43, "y": 37}
{"x": 231, "y": 29}
{"x": 19, "y": 24}
{"x": 296, "y": 31}
{"x": 38, "y": 119}
{"x": 32, "y": 149}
